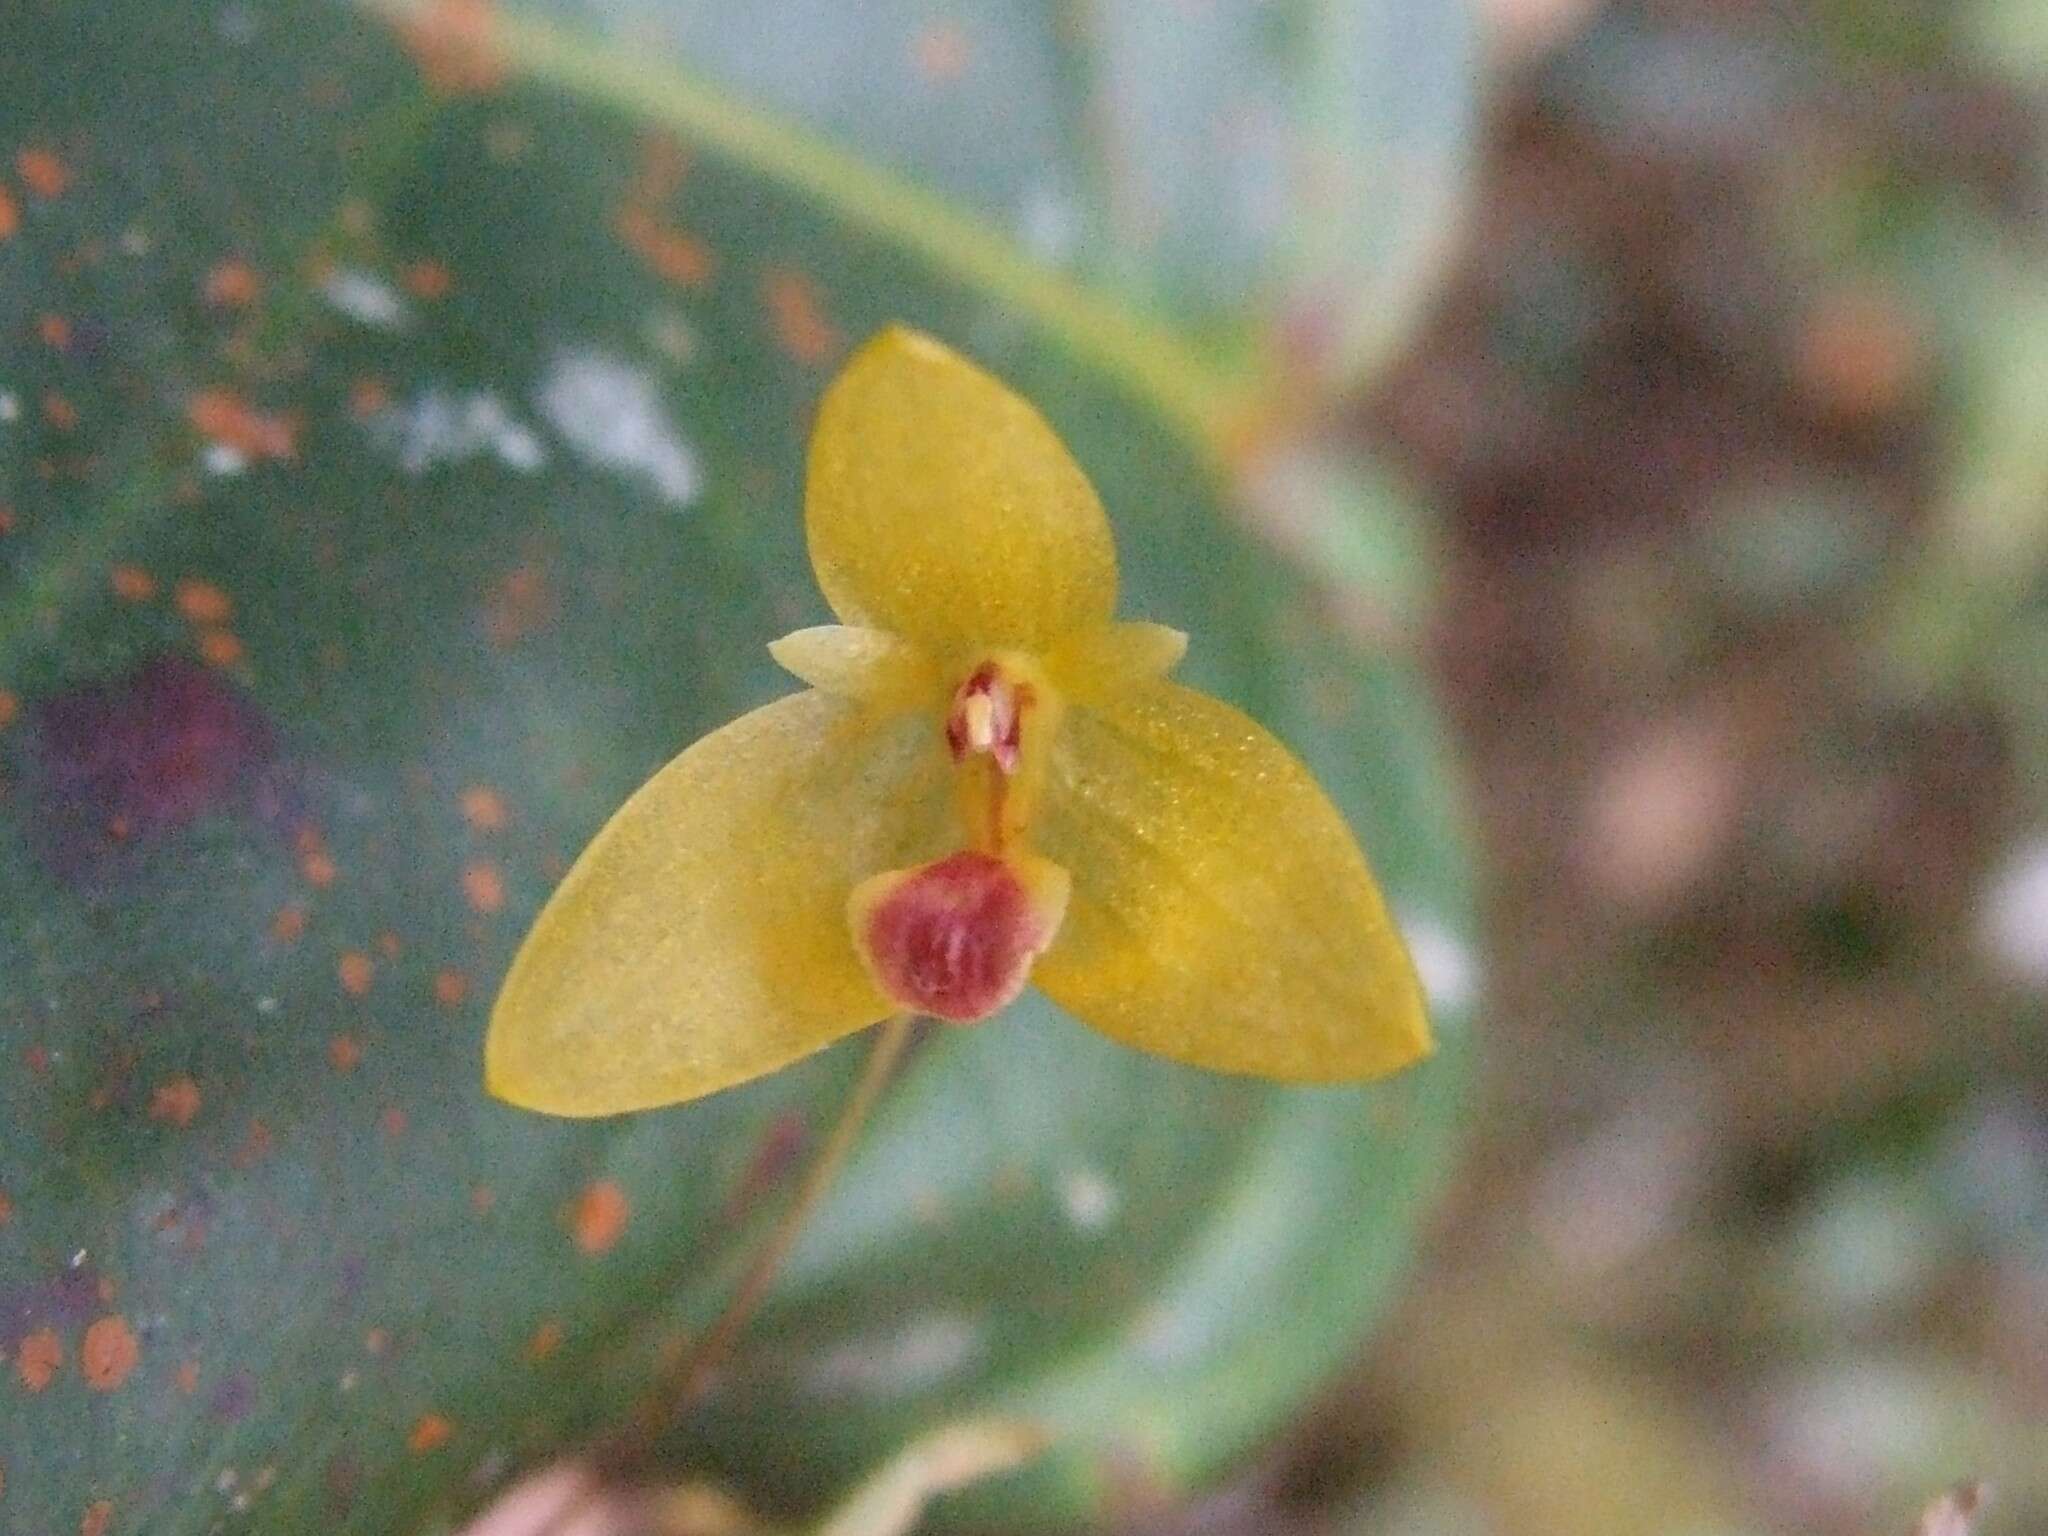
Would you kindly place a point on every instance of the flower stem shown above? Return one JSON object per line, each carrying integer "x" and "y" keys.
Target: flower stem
{"x": 693, "y": 1376}
{"x": 700, "y": 1367}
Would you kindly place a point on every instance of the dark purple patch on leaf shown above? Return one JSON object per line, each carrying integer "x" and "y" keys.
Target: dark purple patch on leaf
{"x": 121, "y": 763}
{"x": 352, "y": 1272}
{"x": 67, "y": 1301}
{"x": 233, "y": 1398}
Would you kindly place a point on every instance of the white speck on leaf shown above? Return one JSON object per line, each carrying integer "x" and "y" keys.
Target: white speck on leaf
{"x": 612, "y": 414}
{"x": 1089, "y": 1198}
{"x": 1047, "y": 225}
{"x": 220, "y": 459}
{"x": 1449, "y": 973}
{"x": 237, "y": 24}
{"x": 10, "y": 407}
{"x": 362, "y": 296}
{"x": 442, "y": 426}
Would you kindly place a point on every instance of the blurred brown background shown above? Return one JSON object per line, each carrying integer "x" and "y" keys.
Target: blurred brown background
{"x": 1731, "y": 413}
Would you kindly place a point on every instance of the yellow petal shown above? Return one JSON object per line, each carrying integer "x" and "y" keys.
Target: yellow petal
{"x": 700, "y": 940}
{"x": 1091, "y": 666}
{"x": 941, "y": 506}
{"x": 870, "y": 665}
{"x": 1221, "y": 912}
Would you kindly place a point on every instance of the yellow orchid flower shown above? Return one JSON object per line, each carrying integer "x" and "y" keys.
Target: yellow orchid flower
{"x": 988, "y": 782}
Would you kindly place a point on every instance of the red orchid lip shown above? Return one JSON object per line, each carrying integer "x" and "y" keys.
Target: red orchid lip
{"x": 954, "y": 939}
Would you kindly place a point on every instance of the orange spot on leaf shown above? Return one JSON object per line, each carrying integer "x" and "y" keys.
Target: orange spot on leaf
{"x": 659, "y": 176}
{"x": 55, "y": 331}
{"x": 484, "y": 808}
{"x": 6, "y": 1208}
{"x": 392, "y": 1122}
{"x": 255, "y": 1146}
{"x": 39, "y": 1358}
{"x": 108, "y": 1354}
{"x": 367, "y": 396}
{"x": 547, "y": 1338}
{"x": 451, "y": 987}
{"x": 233, "y": 284}
{"x": 10, "y": 215}
{"x": 598, "y": 1218}
{"x": 797, "y": 314}
{"x": 186, "y": 1378}
{"x": 289, "y": 926}
{"x": 220, "y": 647}
{"x": 517, "y": 606}
{"x": 429, "y": 280}
{"x": 175, "y": 1102}
{"x": 132, "y": 584}
{"x": 97, "y": 1516}
{"x": 228, "y": 419}
{"x": 672, "y": 255}
{"x": 315, "y": 864}
{"x": 356, "y": 970}
{"x": 42, "y": 172}
{"x": 10, "y": 707}
{"x": 59, "y": 412}
{"x": 202, "y": 602}
{"x": 429, "y": 1434}
{"x": 451, "y": 42}
{"x": 484, "y": 887}
{"x": 344, "y": 1053}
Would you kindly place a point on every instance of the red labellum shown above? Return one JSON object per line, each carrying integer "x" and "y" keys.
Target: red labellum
{"x": 955, "y": 939}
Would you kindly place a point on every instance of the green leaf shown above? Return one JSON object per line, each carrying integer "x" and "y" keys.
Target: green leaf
{"x": 1298, "y": 165}
{"x": 393, "y": 479}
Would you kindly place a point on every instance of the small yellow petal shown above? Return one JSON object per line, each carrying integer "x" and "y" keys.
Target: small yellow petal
{"x": 941, "y": 507}
{"x": 868, "y": 665}
{"x": 700, "y": 940}
{"x": 1221, "y": 911}
{"x": 1092, "y": 666}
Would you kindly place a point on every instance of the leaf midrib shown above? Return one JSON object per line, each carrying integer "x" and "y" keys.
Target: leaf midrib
{"x": 1199, "y": 399}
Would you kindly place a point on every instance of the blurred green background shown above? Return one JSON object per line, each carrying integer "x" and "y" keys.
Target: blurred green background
{"x": 1605, "y": 438}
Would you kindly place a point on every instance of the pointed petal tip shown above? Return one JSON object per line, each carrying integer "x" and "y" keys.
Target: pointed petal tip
{"x": 900, "y": 336}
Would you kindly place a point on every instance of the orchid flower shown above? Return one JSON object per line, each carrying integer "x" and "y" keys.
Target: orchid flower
{"x": 989, "y": 783}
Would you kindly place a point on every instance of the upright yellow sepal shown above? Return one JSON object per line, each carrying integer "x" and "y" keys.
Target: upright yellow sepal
{"x": 940, "y": 506}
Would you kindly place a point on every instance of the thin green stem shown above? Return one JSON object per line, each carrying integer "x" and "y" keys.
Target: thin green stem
{"x": 698, "y": 1369}
{"x": 693, "y": 1376}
